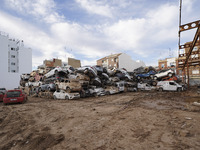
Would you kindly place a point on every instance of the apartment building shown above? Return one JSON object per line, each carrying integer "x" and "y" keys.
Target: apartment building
{"x": 15, "y": 59}
{"x": 120, "y": 60}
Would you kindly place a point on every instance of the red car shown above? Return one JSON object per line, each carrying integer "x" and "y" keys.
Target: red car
{"x": 1, "y": 96}
{"x": 14, "y": 96}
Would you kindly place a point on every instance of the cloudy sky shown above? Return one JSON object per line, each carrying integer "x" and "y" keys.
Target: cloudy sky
{"x": 90, "y": 29}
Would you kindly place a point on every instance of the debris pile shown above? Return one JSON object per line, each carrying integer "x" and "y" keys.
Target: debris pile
{"x": 69, "y": 83}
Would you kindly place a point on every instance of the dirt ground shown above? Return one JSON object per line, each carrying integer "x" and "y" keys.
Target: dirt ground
{"x": 134, "y": 120}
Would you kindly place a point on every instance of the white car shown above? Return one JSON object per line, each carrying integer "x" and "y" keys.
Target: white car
{"x": 35, "y": 84}
{"x": 163, "y": 73}
{"x": 54, "y": 71}
{"x": 109, "y": 90}
{"x": 64, "y": 95}
{"x": 169, "y": 86}
{"x": 96, "y": 91}
{"x": 145, "y": 87}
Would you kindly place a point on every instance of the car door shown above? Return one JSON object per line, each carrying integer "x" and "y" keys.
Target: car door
{"x": 172, "y": 86}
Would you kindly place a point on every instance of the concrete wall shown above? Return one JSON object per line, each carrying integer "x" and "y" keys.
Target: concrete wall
{"x": 23, "y": 60}
{"x": 125, "y": 61}
{"x": 74, "y": 62}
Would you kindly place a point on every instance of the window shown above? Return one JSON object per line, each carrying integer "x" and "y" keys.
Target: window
{"x": 12, "y": 56}
{"x": 162, "y": 65}
{"x": 115, "y": 60}
{"x": 195, "y": 71}
{"x": 112, "y": 59}
{"x": 171, "y": 83}
{"x": 102, "y": 61}
{"x": 12, "y": 48}
{"x": 13, "y": 63}
{"x": 195, "y": 48}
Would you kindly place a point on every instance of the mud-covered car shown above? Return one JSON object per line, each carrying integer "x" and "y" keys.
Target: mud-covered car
{"x": 169, "y": 86}
{"x": 69, "y": 85}
{"x": 122, "y": 74}
{"x": 58, "y": 69}
{"x": 163, "y": 73}
{"x": 64, "y": 95}
{"x": 149, "y": 74}
{"x": 88, "y": 70}
{"x": 145, "y": 87}
{"x": 96, "y": 91}
{"x": 47, "y": 87}
{"x": 34, "y": 84}
{"x": 109, "y": 90}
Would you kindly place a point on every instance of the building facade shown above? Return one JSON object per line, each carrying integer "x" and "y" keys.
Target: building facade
{"x": 120, "y": 60}
{"x": 194, "y": 60}
{"x": 168, "y": 63}
{"x": 15, "y": 60}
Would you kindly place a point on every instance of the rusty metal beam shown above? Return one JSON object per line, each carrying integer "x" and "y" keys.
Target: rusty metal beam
{"x": 189, "y": 26}
{"x": 197, "y": 35}
{"x": 188, "y": 45}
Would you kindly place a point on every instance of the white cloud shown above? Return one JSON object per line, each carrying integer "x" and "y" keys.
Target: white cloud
{"x": 146, "y": 36}
{"x": 41, "y": 9}
{"x": 96, "y": 7}
{"x": 33, "y": 37}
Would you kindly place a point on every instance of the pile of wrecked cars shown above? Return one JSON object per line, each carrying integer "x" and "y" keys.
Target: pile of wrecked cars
{"x": 69, "y": 83}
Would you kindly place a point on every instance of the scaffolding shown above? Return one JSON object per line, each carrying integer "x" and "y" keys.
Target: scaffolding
{"x": 190, "y": 57}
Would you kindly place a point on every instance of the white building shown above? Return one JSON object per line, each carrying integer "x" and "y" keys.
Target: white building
{"x": 15, "y": 60}
{"x": 120, "y": 60}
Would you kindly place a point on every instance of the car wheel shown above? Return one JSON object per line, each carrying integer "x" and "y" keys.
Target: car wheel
{"x": 49, "y": 89}
{"x": 154, "y": 83}
{"x": 179, "y": 89}
{"x": 54, "y": 97}
{"x": 107, "y": 93}
{"x": 160, "y": 89}
{"x": 169, "y": 74}
{"x": 151, "y": 76}
{"x": 57, "y": 89}
{"x": 67, "y": 97}
{"x": 68, "y": 90}
{"x": 155, "y": 78}
{"x": 86, "y": 71}
{"x": 5, "y": 104}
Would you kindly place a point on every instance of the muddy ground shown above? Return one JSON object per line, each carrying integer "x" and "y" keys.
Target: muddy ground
{"x": 135, "y": 120}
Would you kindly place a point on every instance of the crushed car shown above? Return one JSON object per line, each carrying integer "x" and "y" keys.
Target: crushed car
{"x": 163, "y": 73}
{"x": 64, "y": 95}
{"x": 68, "y": 85}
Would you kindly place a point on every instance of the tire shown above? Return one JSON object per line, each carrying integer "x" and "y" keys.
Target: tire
{"x": 57, "y": 89}
{"x": 54, "y": 97}
{"x": 169, "y": 74}
{"x": 66, "y": 97}
{"x": 49, "y": 89}
{"x": 68, "y": 90}
{"x": 85, "y": 71}
{"x": 155, "y": 78}
{"x": 160, "y": 89}
{"x": 107, "y": 93}
{"x": 179, "y": 90}
{"x": 154, "y": 83}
